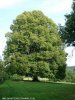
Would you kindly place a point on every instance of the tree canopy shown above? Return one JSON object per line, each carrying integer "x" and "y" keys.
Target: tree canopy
{"x": 34, "y": 47}
{"x": 69, "y": 34}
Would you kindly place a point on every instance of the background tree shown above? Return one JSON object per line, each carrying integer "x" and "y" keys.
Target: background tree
{"x": 34, "y": 47}
{"x": 3, "y": 75}
{"x": 69, "y": 33}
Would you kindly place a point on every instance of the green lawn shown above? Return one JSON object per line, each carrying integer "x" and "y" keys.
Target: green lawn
{"x": 38, "y": 90}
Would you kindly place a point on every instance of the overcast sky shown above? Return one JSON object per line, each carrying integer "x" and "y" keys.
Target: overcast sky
{"x": 9, "y": 9}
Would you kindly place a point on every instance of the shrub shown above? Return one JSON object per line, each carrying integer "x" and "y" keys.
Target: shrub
{"x": 70, "y": 76}
{"x": 3, "y": 76}
{"x": 17, "y": 77}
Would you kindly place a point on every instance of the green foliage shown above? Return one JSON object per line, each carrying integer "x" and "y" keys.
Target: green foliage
{"x": 16, "y": 77}
{"x": 34, "y": 46}
{"x": 69, "y": 35}
{"x": 3, "y": 74}
{"x": 62, "y": 33}
{"x": 70, "y": 76}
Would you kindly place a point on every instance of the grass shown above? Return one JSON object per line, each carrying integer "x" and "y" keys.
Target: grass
{"x": 37, "y": 90}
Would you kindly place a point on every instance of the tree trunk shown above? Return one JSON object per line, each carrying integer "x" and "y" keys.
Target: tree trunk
{"x": 35, "y": 78}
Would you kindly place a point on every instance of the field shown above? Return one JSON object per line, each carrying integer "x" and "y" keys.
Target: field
{"x": 14, "y": 90}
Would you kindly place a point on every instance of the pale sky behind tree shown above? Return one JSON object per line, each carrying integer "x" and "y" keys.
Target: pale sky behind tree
{"x": 54, "y": 9}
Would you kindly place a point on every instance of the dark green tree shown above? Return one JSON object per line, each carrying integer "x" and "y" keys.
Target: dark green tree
{"x": 69, "y": 34}
{"x": 34, "y": 47}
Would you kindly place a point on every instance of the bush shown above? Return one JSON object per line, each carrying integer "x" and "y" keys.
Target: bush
{"x": 3, "y": 76}
{"x": 17, "y": 77}
{"x": 70, "y": 76}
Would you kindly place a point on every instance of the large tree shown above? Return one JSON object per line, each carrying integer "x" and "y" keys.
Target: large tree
{"x": 34, "y": 47}
{"x": 69, "y": 33}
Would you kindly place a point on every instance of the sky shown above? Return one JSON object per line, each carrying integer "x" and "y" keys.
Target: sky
{"x": 71, "y": 56}
{"x": 54, "y": 9}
